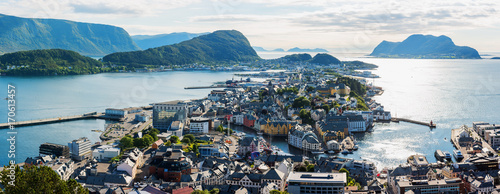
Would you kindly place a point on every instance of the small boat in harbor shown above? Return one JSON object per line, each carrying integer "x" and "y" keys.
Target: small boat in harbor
{"x": 458, "y": 155}
{"x": 447, "y": 155}
{"x": 346, "y": 151}
{"x": 355, "y": 147}
{"x": 439, "y": 155}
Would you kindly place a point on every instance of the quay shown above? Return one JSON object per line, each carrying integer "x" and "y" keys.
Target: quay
{"x": 397, "y": 120}
{"x": 93, "y": 115}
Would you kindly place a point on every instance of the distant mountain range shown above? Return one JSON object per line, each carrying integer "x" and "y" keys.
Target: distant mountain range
{"x": 320, "y": 58}
{"x": 19, "y": 34}
{"x": 217, "y": 47}
{"x": 152, "y": 41}
{"x": 296, "y": 49}
{"x": 424, "y": 46}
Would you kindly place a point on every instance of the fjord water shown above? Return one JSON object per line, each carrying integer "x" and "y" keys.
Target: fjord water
{"x": 50, "y": 97}
{"x": 448, "y": 92}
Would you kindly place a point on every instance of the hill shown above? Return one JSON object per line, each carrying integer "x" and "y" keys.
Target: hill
{"x": 148, "y": 41}
{"x": 48, "y": 62}
{"x": 320, "y": 58}
{"x": 260, "y": 49}
{"x": 222, "y": 46}
{"x": 20, "y": 34}
{"x": 316, "y": 50}
{"x": 424, "y": 46}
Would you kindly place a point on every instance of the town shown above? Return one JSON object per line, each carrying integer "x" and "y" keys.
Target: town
{"x": 191, "y": 146}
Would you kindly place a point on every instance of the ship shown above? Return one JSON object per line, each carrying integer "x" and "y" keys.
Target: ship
{"x": 439, "y": 155}
{"x": 458, "y": 155}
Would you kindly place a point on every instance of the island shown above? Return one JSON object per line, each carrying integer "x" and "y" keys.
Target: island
{"x": 316, "y": 50}
{"x": 495, "y": 58}
{"x": 425, "y": 47}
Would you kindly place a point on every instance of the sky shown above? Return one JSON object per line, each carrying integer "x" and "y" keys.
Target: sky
{"x": 338, "y": 26}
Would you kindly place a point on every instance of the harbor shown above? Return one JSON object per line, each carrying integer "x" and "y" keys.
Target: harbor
{"x": 397, "y": 120}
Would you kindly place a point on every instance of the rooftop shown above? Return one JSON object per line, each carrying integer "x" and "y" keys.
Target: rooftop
{"x": 317, "y": 177}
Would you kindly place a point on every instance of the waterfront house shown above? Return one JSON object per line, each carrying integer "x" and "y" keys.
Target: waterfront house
{"x": 277, "y": 127}
{"x": 248, "y": 145}
{"x": 303, "y": 137}
{"x": 104, "y": 153}
{"x": 249, "y": 120}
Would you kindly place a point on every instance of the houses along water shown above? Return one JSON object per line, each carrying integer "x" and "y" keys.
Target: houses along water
{"x": 448, "y": 92}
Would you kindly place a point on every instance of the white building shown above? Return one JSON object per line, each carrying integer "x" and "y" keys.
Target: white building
{"x": 238, "y": 119}
{"x": 199, "y": 125}
{"x": 303, "y": 137}
{"x": 143, "y": 117}
{"x": 381, "y": 115}
{"x": 128, "y": 166}
{"x": 113, "y": 112}
{"x": 166, "y": 112}
{"x": 333, "y": 145}
{"x": 104, "y": 153}
{"x": 328, "y": 183}
{"x": 80, "y": 148}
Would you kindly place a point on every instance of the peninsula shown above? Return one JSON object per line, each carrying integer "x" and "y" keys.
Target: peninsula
{"x": 426, "y": 47}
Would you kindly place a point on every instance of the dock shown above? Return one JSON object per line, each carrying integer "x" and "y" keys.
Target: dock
{"x": 55, "y": 120}
{"x": 397, "y": 120}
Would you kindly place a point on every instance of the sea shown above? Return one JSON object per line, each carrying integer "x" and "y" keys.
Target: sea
{"x": 451, "y": 93}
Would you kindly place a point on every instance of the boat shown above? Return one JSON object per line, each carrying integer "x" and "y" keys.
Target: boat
{"x": 447, "y": 155}
{"x": 458, "y": 155}
{"x": 439, "y": 155}
{"x": 331, "y": 152}
{"x": 259, "y": 133}
{"x": 346, "y": 151}
{"x": 355, "y": 147}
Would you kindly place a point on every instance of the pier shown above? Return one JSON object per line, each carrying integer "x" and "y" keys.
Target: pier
{"x": 208, "y": 87}
{"x": 431, "y": 124}
{"x": 55, "y": 120}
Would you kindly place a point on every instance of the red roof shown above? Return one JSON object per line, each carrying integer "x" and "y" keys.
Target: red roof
{"x": 185, "y": 190}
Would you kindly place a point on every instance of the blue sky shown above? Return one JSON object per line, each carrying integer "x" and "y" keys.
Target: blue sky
{"x": 339, "y": 26}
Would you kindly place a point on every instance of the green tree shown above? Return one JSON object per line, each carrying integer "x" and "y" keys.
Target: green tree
{"x": 215, "y": 191}
{"x": 190, "y": 136}
{"x": 186, "y": 140}
{"x": 154, "y": 133}
{"x": 195, "y": 148}
{"x": 168, "y": 143}
{"x": 126, "y": 142}
{"x": 43, "y": 179}
{"x": 220, "y": 128}
{"x": 301, "y": 102}
{"x": 200, "y": 192}
{"x": 310, "y": 168}
{"x": 140, "y": 143}
{"x": 148, "y": 140}
{"x": 174, "y": 139}
{"x": 326, "y": 107}
{"x": 275, "y": 192}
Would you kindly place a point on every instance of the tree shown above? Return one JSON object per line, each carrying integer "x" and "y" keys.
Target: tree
{"x": 148, "y": 140}
{"x": 326, "y": 107}
{"x": 126, "y": 142}
{"x": 186, "y": 140}
{"x": 195, "y": 148}
{"x": 140, "y": 143}
{"x": 275, "y": 192}
{"x": 215, "y": 191}
{"x": 190, "y": 136}
{"x": 43, "y": 179}
{"x": 174, "y": 139}
{"x": 200, "y": 192}
{"x": 310, "y": 168}
{"x": 220, "y": 128}
{"x": 168, "y": 143}
{"x": 301, "y": 102}
{"x": 154, "y": 133}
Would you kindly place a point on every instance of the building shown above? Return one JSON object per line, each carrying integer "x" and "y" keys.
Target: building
{"x": 248, "y": 144}
{"x": 54, "y": 149}
{"x": 200, "y": 125}
{"x": 216, "y": 150}
{"x": 104, "y": 153}
{"x": 328, "y": 183}
{"x": 158, "y": 143}
{"x": 167, "y": 112}
{"x": 80, "y": 148}
{"x": 333, "y": 145}
{"x": 143, "y": 117}
{"x": 249, "y": 120}
{"x": 425, "y": 186}
{"x": 170, "y": 166}
{"x": 277, "y": 128}
{"x": 113, "y": 112}
{"x": 303, "y": 137}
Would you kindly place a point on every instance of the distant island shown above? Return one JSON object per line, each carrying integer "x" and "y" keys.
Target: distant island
{"x": 425, "y": 47}
{"x": 22, "y": 34}
{"x": 223, "y": 46}
{"x": 260, "y": 49}
{"x": 152, "y": 41}
{"x": 316, "y": 50}
{"x": 326, "y": 59}
{"x": 495, "y": 58}
{"x": 49, "y": 62}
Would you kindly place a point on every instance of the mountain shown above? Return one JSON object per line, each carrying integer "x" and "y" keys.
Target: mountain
{"x": 320, "y": 58}
{"x": 217, "y": 47}
{"x": 259, "y": 49}
{"x": 19, "y": 34}
{"x": 316, "y": 50}
{"x": 424, "y": 46}
{"x": 495, "y": 58}
{"x": 152, "y": 41}
{"x": 278, "y": 50}
{"x": 48, "y": 62}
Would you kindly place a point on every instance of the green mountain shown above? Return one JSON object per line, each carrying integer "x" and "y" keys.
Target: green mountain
{"x": 320, "y": 58}
{"x": 217, "y": 47}
{"x": 20, "y": 34}
{"x": 48, "y": 62}
{"x": 316, "y": 50}
{"x": 147, "y": 41}
{"x": 425, "y": 46}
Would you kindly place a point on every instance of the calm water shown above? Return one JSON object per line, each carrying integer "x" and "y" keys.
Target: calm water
{"x": 48, "y": 97}
{"x": 449, "y": 92}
